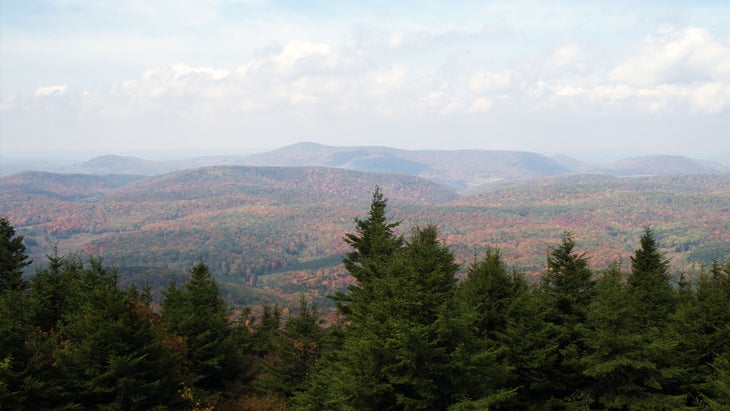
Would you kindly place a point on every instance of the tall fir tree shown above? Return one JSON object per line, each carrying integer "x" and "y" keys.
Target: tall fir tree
{"x": 296, "y": 351}
{"x": 373, "y": 244}
{"x": 113, "y": 353}
{"x": 650, "y": 284}
{"x": 616, "y": 362}
{"x": 396, "y": 350}
{"x": 16, "y": 382}
{"x": 566, "y": 291}
{"x": 13, "y": 258}
{"x": 704, "y": 324}
{"x": 487, "y": 303}
{"x": 644, "y": 354}
{"x": 197, "y": 313}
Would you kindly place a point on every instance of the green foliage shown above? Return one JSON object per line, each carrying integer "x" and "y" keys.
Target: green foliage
{"x": 12, "y": 258}
{"x": 407, "y": 334}
{"x": 566, "y": 291}
{"x": 197, "y": 313}
{"x": 113, "y": 353}
{"x": 85, "y": 343}
{"x": 373, "y": 244}
{"x": 488, "y": 305}
{"x": 295, "y": 352}
{"x": 649, "y": 283}
{"x": 703, "y": 323}
{"x": 395, "y": 350}
{"x": 634, "y": 359}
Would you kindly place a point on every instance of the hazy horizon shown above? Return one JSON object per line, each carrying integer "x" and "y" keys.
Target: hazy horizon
{"x": 67, "y": 158}
{"x": 594, "y": 81}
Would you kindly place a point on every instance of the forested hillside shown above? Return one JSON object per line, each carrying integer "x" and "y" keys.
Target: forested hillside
{"x": 269, "y": 233}
{"x": 408, "y": 334}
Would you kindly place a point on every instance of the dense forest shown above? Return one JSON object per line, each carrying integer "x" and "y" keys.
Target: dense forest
{"x": 268, "y": 234}
{"x": 409, "y": 333}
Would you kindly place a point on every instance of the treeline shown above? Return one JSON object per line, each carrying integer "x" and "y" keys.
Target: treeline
{"x": 409, "y": 335}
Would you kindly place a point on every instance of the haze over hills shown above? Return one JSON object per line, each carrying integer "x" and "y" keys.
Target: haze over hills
{"x": 281, "y": 228}
{"x": 282, "y": 185}
{"x": 62, "y": 186}
{"x": 461, "y": 170}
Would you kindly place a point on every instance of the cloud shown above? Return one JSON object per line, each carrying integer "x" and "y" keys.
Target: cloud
{"x": 386, "y": 81}
{"x": 299, "y": 50}
{"x": 481, "y": 105}
{"x": 688, "y": 55}
{"x": 48, "y": 91}
{"x": 392, "y": 79}
{"x": 671, "y": 71}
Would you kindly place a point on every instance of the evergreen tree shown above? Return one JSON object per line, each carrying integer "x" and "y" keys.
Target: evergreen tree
{"x": 704, "y": 326}
{"x": 488, "y": 302}
{"x": 53, "y": 289}
{"x": 197, "y": 313}
{"x": 373, "y": 244}
{"x": 617, "y": 362}
{"x": 634, "y": 359}
{"x": 12, "y": 258}
{"x": 296, "y": 351}
{"x": 113, "y": 353}
{"x": 650, "y": 283}
{"x": 16, "y": 382}
{"x": 568, "y": 283}
{"x": 266, "y": 331}
{"x": 396, "y": 350}
{"x": 566, "y": 291}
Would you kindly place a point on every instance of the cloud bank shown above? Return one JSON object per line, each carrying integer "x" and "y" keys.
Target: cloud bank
{"x": 402, "y": 84}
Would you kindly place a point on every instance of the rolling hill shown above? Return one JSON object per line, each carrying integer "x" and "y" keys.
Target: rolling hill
{"x": 662, "y": 165}
{"x": 270, "y": 233}
{"x": 461, "y": 170}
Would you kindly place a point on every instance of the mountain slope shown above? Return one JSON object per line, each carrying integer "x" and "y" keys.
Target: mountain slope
{"x": 459, "y": 169}
{"x": 283, "y": 185}
{"x": 62, "y": 186}
{"x": 662, "y": 165}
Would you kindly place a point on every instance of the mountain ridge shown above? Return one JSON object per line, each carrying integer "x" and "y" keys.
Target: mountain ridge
{"x": 461, "y": 170}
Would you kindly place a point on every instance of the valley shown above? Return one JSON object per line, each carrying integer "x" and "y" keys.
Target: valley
{"x": 270, "y": 233}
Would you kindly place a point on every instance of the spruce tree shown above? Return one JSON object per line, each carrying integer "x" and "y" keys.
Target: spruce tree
{"x": 12, "y": 258}
{"x": 488, "y": 302}
{"x": 296, "y": 351}
{"x": 704, "y": 324}
{"x": 641, "y": 358}
{"x": 373, "y": 244}
{"x": 650, "y": 283}
{"x": 197, "y": 313}
{"x": 396, "y": 348}
{"x": 16, "y": 382}
{"x": 113, "y": 353}
{"x": 566, "y": 291}
{"x": 616, "y": 361}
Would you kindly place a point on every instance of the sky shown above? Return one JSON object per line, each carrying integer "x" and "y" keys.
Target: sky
{"x": 591, "y": 79}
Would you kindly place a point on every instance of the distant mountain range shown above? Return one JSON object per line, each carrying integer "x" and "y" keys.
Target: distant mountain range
{"x": 460, "y": 170}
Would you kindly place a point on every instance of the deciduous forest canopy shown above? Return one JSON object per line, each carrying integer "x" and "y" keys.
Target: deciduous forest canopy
{"x": 407, "y": 334}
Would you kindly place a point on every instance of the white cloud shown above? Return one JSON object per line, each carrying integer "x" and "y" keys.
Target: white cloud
{"x": 47, "y": 91}
{"x": 481, "y": 105}
{"x": 385, "y": 81}
{"x": 565, "y": 56}
{"x": 711, "y": 97}
{"x": 392, "y": 73}
{"x": 688, "y": 55}
{"x": 299, "y": 50}
{"x": 673, "y": 70}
